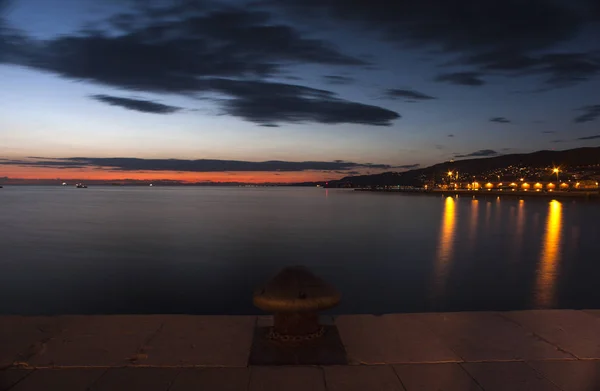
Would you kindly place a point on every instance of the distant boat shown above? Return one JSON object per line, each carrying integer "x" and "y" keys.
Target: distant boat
{"x": 151, "y": 185}
{"x": 64, "y": 183}
{"x": 0, "y": 187}
{"x": 81, "y": 186}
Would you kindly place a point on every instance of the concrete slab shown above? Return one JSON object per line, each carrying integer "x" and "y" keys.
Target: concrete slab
{"x": 10, "y": 377}
{"x": 136, "y": 379}
{"x": 110, "y": 340}
{"x": 435, "y": 377}
{"x": 504, "y": 376}
{"x": 574, "y": 331}
{"x": 592, "y": 312}
{"x": 487, "y": 336}
{"x": 391, "y": 339}
{"x": 214, "y": 379}
{"x": 570, "y": 375}
{"x": 23, "y": 336}
{"x": 362, "y": 377}
{"x": 72, "y": 379}
{"x": 201, "y": 340}
{"x": 287, "y": 378}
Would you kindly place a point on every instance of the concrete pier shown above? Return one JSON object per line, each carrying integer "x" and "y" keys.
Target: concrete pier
{"x": 522, "y": 350}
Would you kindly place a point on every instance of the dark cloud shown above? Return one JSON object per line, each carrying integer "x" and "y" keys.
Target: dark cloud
{"x": 494, "y": 35}
{"x": 450, "y": 135}
{"x": 170, "y": 55}
{"x": 203, "y": 54}
{"x": 548, "y": 131}
{"x": 480, "y": 153}
{"x": 596, "y": 137}
{"x": 558, "y": 69}
{"x": 202, "y": 165}
{"x": 336, "y": 79}
{"x": 144, "y": 106}
{"x": 12, "y": 42}
{"x": 558, "y": 141}
{"x": 500, "y": 120}
{"x": 393, "y": 93}
{"x": 590, "y": 113}
{"x": 461, "y": 78}
{"x": 272, "y": 103}
{"x": 453, "y": 26}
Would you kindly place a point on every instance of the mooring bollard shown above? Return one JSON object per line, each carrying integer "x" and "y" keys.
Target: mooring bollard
{"x": 295, "y": 295}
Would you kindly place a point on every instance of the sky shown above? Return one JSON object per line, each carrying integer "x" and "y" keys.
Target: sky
{"x": 289, "y": 90}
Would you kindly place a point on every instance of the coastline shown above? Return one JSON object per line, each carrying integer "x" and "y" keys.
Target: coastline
{"x": 583, "y": 195}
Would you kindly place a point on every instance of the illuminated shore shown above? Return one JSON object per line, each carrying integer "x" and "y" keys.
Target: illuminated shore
{"x": 495, "y": 193}
{"x": 519, "y": 350}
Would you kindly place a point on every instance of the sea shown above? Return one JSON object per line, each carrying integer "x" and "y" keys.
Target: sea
{"x": 203, "y": 250}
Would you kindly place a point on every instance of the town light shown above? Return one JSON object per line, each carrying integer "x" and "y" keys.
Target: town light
{"x": 556, "y": 170}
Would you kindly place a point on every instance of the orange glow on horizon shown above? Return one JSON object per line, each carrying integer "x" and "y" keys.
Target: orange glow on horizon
{"x": 98, "y": 174}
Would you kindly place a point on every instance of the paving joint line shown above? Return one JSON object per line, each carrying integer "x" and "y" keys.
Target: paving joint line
{"x": 533, "y": 333}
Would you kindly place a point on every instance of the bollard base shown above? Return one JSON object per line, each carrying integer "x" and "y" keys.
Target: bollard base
{"x": 296, "y": 323}
{"x": 325, "y": 350}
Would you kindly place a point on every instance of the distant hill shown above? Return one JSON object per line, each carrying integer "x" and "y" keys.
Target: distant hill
{"x": 566, "y": 158}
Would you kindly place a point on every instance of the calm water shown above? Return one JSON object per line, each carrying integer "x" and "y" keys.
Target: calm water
{"x": 203, "y": 250}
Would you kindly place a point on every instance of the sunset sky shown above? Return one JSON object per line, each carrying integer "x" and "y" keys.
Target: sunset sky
{"x": 289, "y": 90}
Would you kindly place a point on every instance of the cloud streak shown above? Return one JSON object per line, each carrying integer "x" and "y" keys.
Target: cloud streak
{"x": 500, "y": 120}
{"x": 145, "y": 106}
{"x": 393, "y": 93}
{"x": 338, "y": 80}
{"x": 472, "y": 79}
{"x": 590, "y": 113}
{"x": 596, "y": 137}
{"x": 201, "y": 165}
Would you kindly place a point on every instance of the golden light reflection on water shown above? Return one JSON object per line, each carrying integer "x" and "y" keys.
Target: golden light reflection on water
{"x": 446, "y": 244}
{"x": 550, "y": 257}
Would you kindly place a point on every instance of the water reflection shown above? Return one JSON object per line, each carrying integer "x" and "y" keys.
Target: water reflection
{"x": 550, "y": 257}
{"x": 488, "y": 214}
{"x": 445, "y": 245}
{"x": 474, "y": 221}
{"x": 520, "y": 228}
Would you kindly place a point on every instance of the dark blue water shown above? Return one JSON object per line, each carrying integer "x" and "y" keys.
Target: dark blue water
{"x": 203, "y": 250}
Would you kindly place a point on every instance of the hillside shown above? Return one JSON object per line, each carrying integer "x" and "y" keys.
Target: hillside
{"x": 565, "y": 159}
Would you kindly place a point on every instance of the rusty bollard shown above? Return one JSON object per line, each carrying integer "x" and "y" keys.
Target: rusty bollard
{"x": 295, "y": 295}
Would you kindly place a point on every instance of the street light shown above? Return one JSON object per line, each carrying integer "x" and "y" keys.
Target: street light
{"x": 556, "y": 171}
